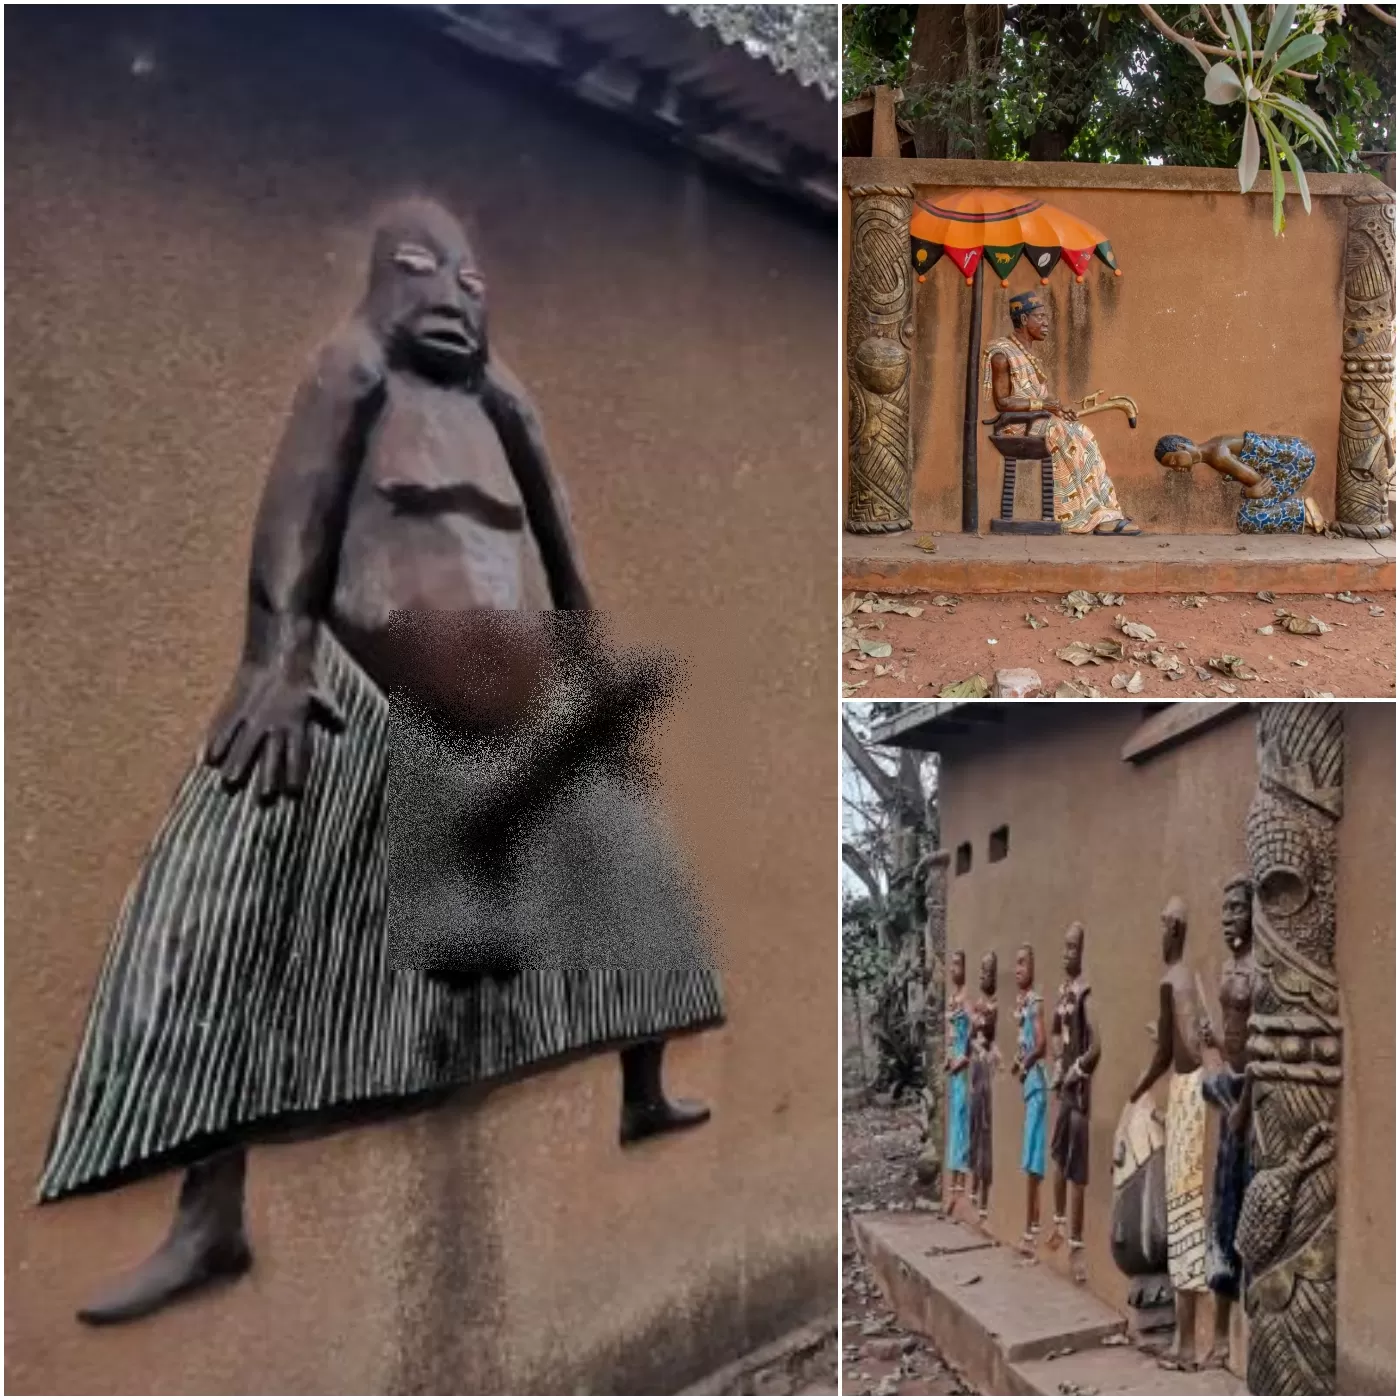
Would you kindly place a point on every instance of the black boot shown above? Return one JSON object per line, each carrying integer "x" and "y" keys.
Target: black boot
{"x": 646, "y": 1111}
{"x": 206, "y": 1243}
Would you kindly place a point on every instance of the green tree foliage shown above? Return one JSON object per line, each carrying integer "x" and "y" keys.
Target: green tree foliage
{"x": 1100, "y": 83}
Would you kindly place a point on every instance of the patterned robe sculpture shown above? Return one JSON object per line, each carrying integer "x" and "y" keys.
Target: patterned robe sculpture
{"x": 1084, "y": 495}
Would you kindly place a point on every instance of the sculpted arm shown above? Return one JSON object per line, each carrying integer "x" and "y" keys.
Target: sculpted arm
{"x": 264, "y": 724}
{"x": 1162, "y": 1055}
{"x": 522, "y": 436}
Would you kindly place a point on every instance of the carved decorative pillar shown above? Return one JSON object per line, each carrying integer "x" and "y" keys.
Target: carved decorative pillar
{"x": 1287, "y": 1230}
{"x": 936, "y": 1013}
{"x": 1366, "y": 444}
{"x": 878, "y": 329}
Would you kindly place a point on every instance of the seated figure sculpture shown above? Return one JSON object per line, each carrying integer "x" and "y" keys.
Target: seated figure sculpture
{"x": 1012, "y": 378}
{"x": 1272, "y": 470}
{"x": 250, "y": 981}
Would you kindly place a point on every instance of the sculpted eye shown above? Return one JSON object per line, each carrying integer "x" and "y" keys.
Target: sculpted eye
{"x": 472, "y": 282}
{"x": 414, "y": 259}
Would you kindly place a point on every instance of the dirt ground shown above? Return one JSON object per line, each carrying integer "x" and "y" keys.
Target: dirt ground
{"x": 957, "y": 638}
{"x": 878, "y": 1147}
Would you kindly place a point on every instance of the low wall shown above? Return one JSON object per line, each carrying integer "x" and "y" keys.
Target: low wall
{"x": 1106, "y": 842}
{"x": 1215, "y": 326}
{"x": 189, "y": 193}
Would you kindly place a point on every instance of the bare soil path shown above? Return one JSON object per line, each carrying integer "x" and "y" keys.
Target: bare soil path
{"x": 1202, "y": 647}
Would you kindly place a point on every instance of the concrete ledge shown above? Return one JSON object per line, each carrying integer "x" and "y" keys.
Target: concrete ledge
{"x": 1003, "y": 1323}
{"x": 1118, "y": 564}
{"x": 1118, "y": 1371}
{"x": 978, "y": 1302}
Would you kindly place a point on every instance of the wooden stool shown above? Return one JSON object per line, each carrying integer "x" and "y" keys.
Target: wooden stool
{"x": 1023, "y": 448}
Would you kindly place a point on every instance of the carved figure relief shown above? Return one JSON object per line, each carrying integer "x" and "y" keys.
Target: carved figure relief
{"x": 1272, "y": 470}
{"x": 1075, "y": 1053}
{"x": 878, "y": 361}
{"x": 1286, "y": 1235}
{"x": 985, "y": 1059}
{"x": 956, "y": 1061}
{"x": 1366, "y": 439}
{"x": 250, "y": 981}
{"x": 1028, "y": 1068}
{"x": 1178, "y": 1051}
{"x": 1224, "y": 1088}
{"x": 939, "y": 1108}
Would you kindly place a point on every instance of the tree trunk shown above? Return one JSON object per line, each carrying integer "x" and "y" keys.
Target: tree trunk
{"x": 935, "y": 61}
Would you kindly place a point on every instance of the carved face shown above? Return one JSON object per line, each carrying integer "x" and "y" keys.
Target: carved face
{"x": 957, "y": 968}
{"x": 1181, "y": 460}
{"x": 1074, "y": 951}
{"x": 427, "y": 296}
{"x": 1025, "y": 968}
{"x": 1037, "y": 324}
{"x": 1236, "y": 918}
{"x": 988, "y": 979}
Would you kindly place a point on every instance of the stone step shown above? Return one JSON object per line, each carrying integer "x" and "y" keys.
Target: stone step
{"x": 1117, "y": 1371}
{"x": 965, "y": 564}
{"x": 1006, "y": 1324}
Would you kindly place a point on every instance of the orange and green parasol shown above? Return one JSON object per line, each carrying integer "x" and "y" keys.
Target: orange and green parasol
{"x": 994, "y": 225}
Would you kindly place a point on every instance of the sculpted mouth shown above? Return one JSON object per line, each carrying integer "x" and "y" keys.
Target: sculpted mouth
{"x": 448, "y": 336}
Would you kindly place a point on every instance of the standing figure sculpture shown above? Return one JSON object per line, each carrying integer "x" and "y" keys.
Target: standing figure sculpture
{"x": 1224, "y": 1089}
{"x": 1075, "y": 1051}
{"x": 250, "y": 981}
{"x": 1179, "y": 1051}
{"x": 1012, "y": 378}
{"x": 981, "y": 1070}
{"x": 1287, "y": 1232}
{"x": 956, "y": 1066}
{"x": 1029, "y": 1069}
{"x": 1272, "y": 470}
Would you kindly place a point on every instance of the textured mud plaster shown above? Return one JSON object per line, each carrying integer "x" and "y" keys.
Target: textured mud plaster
{"x": 179, "y": 239}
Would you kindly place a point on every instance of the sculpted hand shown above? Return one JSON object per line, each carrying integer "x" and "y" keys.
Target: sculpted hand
{"x": 265, "y": 727}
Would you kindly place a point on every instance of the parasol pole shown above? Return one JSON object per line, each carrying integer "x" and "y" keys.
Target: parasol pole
{"x": 974, "y": 355}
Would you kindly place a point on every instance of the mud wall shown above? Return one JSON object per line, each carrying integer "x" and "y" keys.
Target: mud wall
{"x": 1215, "y": 326}
{"x": 189, "y": 195}
{"x": 1104, "y": 841}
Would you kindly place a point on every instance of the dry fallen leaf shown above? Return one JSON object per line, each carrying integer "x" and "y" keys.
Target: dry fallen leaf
{"x": 1110, "y": 600}
{"x": 943, "y": 601}
{"x": 927, "y": 543}
{"x": 850, "y": 687}
{"x": 1264, "y": 596}
{"x": 1227, "y": 687}
{"x": 1265, "y": 631}
{"x": 1203, "y": 674}
{"x": 1235, "y": 666}
{"x": 1077, "y": 603}
{"x": 869, "y": 648}
{"x": 1077, "y": 654}
{"x": 1033, "y": 622}
{"x": 1196, "y": 600}
{"x": 858, "y": 665}
{"x": 973, "y": 688}
{"x": 1132, "y": 684}
{"x": 1301, "y": 626}
{"x": 1349, "y": 597}
{"x": 1140, "y": 631}
{"x": 1077, "y": 690}
{"x": 1300, "y": 663}
{"x": 1376, "y": 611}
{"x": 1309, "y": 694}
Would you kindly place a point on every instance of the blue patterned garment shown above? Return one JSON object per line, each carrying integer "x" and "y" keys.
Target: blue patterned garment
{"x": 1034, "y": 1089}
{"x": 958, "y": 1105}
{"x": 1285, "y": 463}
